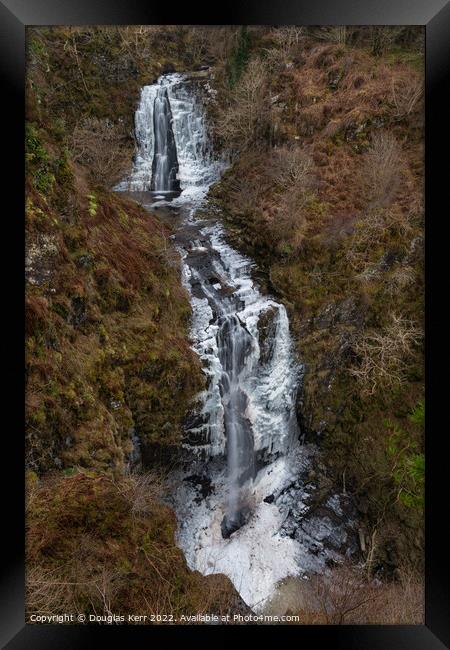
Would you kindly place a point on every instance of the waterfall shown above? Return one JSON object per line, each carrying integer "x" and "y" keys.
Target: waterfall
{"x": 235, "y": 345}
{"x": 248, "y": 409}
{"x": 165, "y": 162}
{"x": 243, "y": 439}
{"x": 171, "y": 102}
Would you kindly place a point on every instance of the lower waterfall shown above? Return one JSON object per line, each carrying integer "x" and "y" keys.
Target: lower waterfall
{"x": 243, "y": 496}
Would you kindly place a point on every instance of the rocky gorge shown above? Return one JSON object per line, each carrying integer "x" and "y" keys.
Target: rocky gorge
{"x": 229, "y": 381}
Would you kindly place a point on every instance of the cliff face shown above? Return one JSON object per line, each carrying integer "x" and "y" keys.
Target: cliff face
{"x": 326, "y": 193}
{"x": 107, "y": 318}
{"x": 105, "y": 548}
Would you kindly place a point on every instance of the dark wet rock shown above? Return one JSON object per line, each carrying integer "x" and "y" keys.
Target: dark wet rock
{"x": 390, "y": 258}
{"x": 168, "y": 68}
{"x": 135, "y": 456}
{"x": 197, "y": 437}
{"x": 202, "y": 484}
{"x": 362, "y": 503}
{"x": 194, "y": 420}
{"x": 114, "y": 70}
{"x": 318, "y": 517}
{"x": 158, "y": 453}
{"x": 346, "y": 312}
{"x": 230, "y": 524}
{"x": 266, "y": 334}
{"x": 270, "y": 498}
{"x": 334, "y": 77}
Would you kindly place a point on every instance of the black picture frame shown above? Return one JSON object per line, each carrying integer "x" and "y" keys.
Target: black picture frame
{"x": 15, "y": 15}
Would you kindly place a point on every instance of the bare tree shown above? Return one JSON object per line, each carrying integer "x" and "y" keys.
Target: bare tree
{"x": 286, "y": 42}
{"x": 335, "y": 34}
{"x": 383, "y": 37}
{"x": 247, "y": 117}
{"x": 219, "y": 43}
{"x": 293, "y": 167}
{"x": 101, "y": 146}
{"x": 346, "y": 596}
{"x": 343, "y": 593}
{"x": 47, "y": 592}
{"x": 383, "y": 355}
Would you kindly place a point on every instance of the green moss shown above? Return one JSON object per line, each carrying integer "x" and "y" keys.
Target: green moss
{"x": 38, "y": 161}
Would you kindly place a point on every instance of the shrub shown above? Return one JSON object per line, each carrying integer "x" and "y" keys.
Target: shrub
{"x": 405, "y": 96}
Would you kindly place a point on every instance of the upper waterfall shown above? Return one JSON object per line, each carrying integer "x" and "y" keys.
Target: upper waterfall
{"x": 165, "y": 162}
{"x": 172, "y": 107}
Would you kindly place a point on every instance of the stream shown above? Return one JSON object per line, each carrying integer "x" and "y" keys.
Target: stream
{"x": 249, "y": 497}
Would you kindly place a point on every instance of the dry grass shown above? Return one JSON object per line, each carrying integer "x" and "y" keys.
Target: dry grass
{"x": 380, "y": 169}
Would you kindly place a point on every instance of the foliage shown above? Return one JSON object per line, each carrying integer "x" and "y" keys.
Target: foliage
{"x": 38, "y": 161}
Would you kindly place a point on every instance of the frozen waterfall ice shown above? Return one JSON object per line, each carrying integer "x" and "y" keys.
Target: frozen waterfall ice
{"x": 242, "y": 440}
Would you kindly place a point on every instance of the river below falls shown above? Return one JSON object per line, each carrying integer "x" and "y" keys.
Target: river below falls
{"x": 252, "y": 502}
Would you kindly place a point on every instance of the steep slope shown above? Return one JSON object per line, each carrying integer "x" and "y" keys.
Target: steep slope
{"x": 108, "y": 357}
{"x": 326, "y": 193}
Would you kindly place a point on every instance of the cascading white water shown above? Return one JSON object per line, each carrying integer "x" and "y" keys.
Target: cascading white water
{"x": 250, "y": 401}
{"x": 165, "y": 162}
{"x": 197, "y": 168}
{"x": 247, "y": 411}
